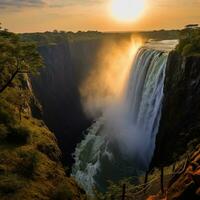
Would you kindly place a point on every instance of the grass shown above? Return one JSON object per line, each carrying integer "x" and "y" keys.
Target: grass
{"x": 63, "y": 192}
{"x": 10, "y": 184}
{"x": 18, "y": 135}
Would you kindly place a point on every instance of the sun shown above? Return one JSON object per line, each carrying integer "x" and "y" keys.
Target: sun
{"x": 127, "y": 10}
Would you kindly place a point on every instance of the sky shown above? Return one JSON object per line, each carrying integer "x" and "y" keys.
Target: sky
{"x": 75, "y": 15}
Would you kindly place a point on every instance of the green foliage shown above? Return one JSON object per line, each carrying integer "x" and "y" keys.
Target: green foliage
{"x": 3, "y": 132}
{"x": 50, "y": 150}
{"x": 59, "y": 37}
{"x": 28, "y": 165}
{"x": 25, "y": 172}
{"x": 5, "y": 117}
{"x": 2, "y": 169}
{"x": 16, "y": 57}
{"x": 115, "y": 190}
{"x": 18, "y": 135}
{"x": 10, "y": 184}
{"x": 189, "y": 43}
{"x": 63, "y": 192}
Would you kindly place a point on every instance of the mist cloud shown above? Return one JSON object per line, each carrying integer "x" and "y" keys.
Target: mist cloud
{"x": 107, "y": 79}
{"x": 6, "y": 4}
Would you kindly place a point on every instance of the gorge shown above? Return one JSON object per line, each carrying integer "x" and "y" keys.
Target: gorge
{"x": 120, "y": 107}
{"x": 114, "y": 147}
{"x": 99, "y": 100}
{"x": 123, "y": 139}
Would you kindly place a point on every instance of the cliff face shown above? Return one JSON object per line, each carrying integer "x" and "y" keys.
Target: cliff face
{"x": 184, "y": 184}
{"x": 180, "y": 122}
{"x": 30, "y": 166}
{"x": 56, "y": 90}
{"x": 83, "y": 56}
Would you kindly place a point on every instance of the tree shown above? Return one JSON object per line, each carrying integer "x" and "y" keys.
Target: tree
{"x": 16, "y": 57}
{"x": 189, "y": 43}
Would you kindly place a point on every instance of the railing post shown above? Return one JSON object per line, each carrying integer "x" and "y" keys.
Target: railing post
{"x": 162, "y": 179}
{"x": 124, "y": 192}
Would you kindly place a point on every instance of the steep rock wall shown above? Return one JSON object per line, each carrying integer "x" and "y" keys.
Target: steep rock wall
{"x": 180, "y": 122}
{"x": 58, "y": 94}
{"x": 83, "y": 56}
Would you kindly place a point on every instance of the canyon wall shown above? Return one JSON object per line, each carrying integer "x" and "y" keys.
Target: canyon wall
{"x": 180, "y": 122}
{"x": 57, "y": 92}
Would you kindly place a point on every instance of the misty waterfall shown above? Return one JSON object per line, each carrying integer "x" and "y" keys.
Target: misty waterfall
{"x": 121, "y": 143}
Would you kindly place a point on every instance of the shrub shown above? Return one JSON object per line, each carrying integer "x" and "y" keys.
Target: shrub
{"x": 5, "y": 117}
{"x": 62, "y": 192}
{"x": 187, "y": 50}
{"x": 3, "y": 132}
{"x": 28, "y": 164}
{"x": 50, "y": 150}
{"x": 189, "y": 43}
{"x": 10, "y": 184}
{"x": 18, "y": 135}
{"x": 2, "y": 169}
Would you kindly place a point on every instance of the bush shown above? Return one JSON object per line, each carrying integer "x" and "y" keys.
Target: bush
{"x": 18, "y": 135}
{"x": 187, "y": 50}
{"x": 28, "y": 164}
{"x": 10, "y": 184}
{"x": 2, "y": 169}
{"x": 63, "y": 192}
{"x": 5, "y": 117}
{"x": 3, "y": 132}
{"x": 189, "y": 43}
{"x": 50, "y": 150}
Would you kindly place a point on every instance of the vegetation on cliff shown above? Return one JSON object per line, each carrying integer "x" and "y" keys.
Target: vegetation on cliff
{"x": 189, "y": 44}
{"x": 56, "y": 37}
{"x": 16, "y": 57}
{"x": 30, "y": 165}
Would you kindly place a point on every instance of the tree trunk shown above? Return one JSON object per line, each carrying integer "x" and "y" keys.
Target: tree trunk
{"x": 123, "y": 191}
{"x": 9, "y": 82}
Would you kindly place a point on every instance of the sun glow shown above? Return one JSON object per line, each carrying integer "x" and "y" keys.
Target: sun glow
{"x": 108, "y": 78}
{"x": 127, "y": 10}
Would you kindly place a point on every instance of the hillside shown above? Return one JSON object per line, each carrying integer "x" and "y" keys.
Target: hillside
{"x": 30, "y": 166}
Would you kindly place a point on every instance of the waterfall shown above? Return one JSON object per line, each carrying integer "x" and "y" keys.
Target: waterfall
{"x": 144, "y": 101}
{"x": 121, "y": 143}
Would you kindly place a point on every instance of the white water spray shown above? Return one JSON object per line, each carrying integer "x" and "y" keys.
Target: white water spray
{"x": 122, "y": 142}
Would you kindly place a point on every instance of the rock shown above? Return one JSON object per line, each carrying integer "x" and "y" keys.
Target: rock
{"x": 180, "y": 122}
{"x": 187, "y": 185}
{"x": 57, "y": 92}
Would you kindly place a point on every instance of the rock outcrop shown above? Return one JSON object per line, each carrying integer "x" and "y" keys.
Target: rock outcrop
{"x": 185, "y": 183}
{"x": 180, "y": 122}
{"x": 179, "y": 131}
{"x": 30, "y": 166}
{"x": 57, "y": 92}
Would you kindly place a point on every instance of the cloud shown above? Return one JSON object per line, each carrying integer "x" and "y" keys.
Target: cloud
{"x": 16, "y": 4}
{"x": 19, "y": 4}
{"x": 61, "y": 3}
{"x": 179, "y": 3}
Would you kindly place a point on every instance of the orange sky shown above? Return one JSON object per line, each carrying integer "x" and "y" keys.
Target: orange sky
{"x": 74, "y": 15}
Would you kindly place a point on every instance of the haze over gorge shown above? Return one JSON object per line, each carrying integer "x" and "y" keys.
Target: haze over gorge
{"x": 99, "y": 100}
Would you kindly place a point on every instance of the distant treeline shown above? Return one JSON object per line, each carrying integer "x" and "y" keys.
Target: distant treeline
{"x": 62, "y": 36}
{"x": 189, "y": 37}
